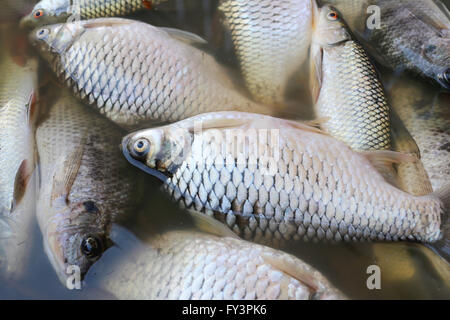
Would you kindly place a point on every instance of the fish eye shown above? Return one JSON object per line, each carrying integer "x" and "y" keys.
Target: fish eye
{"x": 91, "y": 247}
{"x": 91, "y": 207}
{"x": 141, "y": 147}
{"x": 333, "y": 16}
{"x": 42, "y": 33}
{"x": 430, "y": 49}
{"x": 38, "y": 13}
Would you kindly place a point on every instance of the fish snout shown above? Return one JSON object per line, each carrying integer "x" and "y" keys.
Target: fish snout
{"x": 26, "y": 22}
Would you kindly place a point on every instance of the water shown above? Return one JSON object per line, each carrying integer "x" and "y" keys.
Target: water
{"x": 408, "y": 270}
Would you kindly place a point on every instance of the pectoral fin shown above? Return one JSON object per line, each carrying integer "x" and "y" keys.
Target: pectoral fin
{"x": 291, "y": 267}
{"x": 211, "y": 225}
{"x": 21, "y": 180}
{"x": 402, "y": 140}
{"x": 316, "y": 75}
{"x": 66, "y": 173}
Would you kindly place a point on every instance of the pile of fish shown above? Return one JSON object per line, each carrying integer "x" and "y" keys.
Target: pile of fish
{"x": 238, "y": 157}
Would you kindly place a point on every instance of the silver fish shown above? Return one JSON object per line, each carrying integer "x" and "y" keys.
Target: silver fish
{"x": 55, "y": 11}
{"x": 413, "y": 35}
{"x": 82, "y": 192}
{"x": 136, "y": 74}
{"x": 274, "y": 180}
{"x": 187, "y": 265}
{"x": 17, "y": 107}
{"x": 428, "y": 120}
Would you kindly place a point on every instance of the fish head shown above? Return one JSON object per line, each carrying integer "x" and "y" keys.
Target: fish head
{"x": 76, "y": 238}
{"x": 47, "y": 12}
{"x": 162, "y": 150}
{"x": 329, "y": 27}
{"x": 55, "y": 39}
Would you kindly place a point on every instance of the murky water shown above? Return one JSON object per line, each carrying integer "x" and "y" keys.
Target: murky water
{"x": 408, "y": 270}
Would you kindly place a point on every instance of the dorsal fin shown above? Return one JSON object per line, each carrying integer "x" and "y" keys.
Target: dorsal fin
{"x": 66, "y": 173}
{"x": 106, "y": 22}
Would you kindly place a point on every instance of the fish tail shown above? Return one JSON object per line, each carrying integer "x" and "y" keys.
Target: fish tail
{"x": 442, "y": 247}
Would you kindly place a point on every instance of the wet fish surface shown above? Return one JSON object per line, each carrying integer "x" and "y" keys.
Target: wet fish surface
{"x": 185, "y": 265}
{"x": 17, "y": 104}
{"x": 56, "y": 11}
{"x": 355, "y": 104}
{"x": 299, "y": 184}
{"x": 428, "y": 120}
{"x": 412, "y": 35}
{"x": 346, "y": 87}
{"x": 271, "y": 39}
{"x": 137, "y": 74}
{"x": 81, "y": 192}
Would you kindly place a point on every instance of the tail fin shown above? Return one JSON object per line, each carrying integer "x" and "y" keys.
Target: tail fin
{"x": 442, "y": 247}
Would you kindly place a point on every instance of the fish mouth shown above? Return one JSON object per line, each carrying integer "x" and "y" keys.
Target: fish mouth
{"x": 57, "y": 265}
{"x": 25, "y": 23}
{"x": 139, "y": 164}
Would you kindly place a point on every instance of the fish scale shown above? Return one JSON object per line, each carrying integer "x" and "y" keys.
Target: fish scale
{"x": 154, "y": 77}
{"x": 356, "y": 104}
{"x": 351, "y": 201}
{"x": 271, "y": 39}
{"x": 90, "y": 9}
{"x": 190, "y": 265}
{"x": 59, "y": 11}
{"x": 393, "y": 40}
{"x": 17, "y": 86}
{"x": 412, "y": 36}
{"x": 102, "y": 191}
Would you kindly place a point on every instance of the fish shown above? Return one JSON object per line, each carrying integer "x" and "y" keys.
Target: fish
{"x": 428, "y": 120}
{"x": 346, "y": 87}
{"x": 18, "y": 109}
{"x": 355, "y": 105}
{"x": 271, "y": 40}
{"x": 17, "y": 235}
{"x": 272, "y": 181}
{"x": 189, "y": 265}
{"x": 48, "y": 12}
{"x": 136, "y": 74}
{"x": 81, "y": 192}
{"x": 412, "y": 36}
{"x": 18, "y": 104}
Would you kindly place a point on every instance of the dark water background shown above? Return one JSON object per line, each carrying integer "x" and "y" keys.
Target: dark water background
{"x": 408, "y": 270}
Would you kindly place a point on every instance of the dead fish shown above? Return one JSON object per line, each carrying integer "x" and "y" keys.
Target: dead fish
{"x": 271, "y": 39}
{"x": 346, "y": 87}
{"x": 428, "y": 120}
{"x": 412, "y": 35}
{"x": 17, "y": 109}
{"x": 17, "y": 235}
{"x": 56, "y": 11}
{"x": 273, "y": 180}
{"x": 355, "y": 103}
{"x": 186, "y": 265}
{"x": 81, "y": 192}
{"x": 135, "y": 73}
